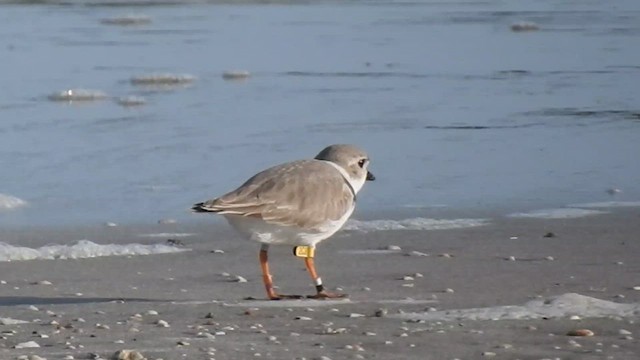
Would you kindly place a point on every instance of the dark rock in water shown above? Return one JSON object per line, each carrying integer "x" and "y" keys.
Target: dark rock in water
{"x": 524, "y": 26}
{"x": 175, "y": 242}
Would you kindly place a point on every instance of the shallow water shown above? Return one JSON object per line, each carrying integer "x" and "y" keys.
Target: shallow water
{"x": 455, "y": 109}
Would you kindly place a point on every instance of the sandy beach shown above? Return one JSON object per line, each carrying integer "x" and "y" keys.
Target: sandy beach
{"x": 512, "y": 288}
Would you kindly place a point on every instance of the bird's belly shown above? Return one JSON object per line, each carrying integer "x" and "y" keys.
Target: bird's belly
{"x": 266, "y": 233}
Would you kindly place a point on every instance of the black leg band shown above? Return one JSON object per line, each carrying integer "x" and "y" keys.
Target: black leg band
{"x": 319, "y": 288}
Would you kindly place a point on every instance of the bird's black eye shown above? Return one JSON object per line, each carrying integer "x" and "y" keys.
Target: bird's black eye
{"x": 362, "y": 162}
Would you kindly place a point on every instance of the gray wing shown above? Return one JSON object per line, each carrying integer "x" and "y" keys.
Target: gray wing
{"x": 303, "y": 193}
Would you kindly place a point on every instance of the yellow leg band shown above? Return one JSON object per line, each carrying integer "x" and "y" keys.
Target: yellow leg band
{"x": 304, "y": 251}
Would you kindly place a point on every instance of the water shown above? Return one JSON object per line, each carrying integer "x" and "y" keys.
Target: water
{"x": 455, "y": 109}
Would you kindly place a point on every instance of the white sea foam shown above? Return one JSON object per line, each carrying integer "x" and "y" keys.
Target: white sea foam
{"x": 564, "y": 213}
{"x": 8, "y": 202}
{"x": 555, "y": 307}
{"x": 166, "y": 235}
{"x": 413, "y": 224}
{"x": 82, "y": 249}
{"x": 608, "y": 204}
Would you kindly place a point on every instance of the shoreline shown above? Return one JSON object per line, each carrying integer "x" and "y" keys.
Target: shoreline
{"x": 361, "y": 214}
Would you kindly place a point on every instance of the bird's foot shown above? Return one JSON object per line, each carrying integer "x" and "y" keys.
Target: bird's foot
{"x": 327, "y": 295}
{"x": 284, "y": 297}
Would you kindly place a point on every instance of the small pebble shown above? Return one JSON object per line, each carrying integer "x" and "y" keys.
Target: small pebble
{"x": 511, "y": 258}
{"x": 356, "y": 315}
{"x": 126, "y": 355}
{"x": 446, "y": 255}
{"x": 549, "y": 235}
{"x": 488, "y": 354}
{"x": 381, "y": 312}
{"x": 575, "y": 317}
{"x": 417, "y": 253}
{"x": 574, "y": 343}
{"x": 151, "y": 312}
{"x": 162, "y": 323}
{"x": 302, "y": 318}
{"x": 26, "y": 345}
{"x": 206, "y": 335}
{"x": 337, "y": 331}
{"x": 408, "y": 278}
{"x": 408, "y": 285}
{"x": 449, "y": 290}
{"x": 637, "y": 288}
{"x": 580, "y": 332}
{"x": 240, "y": 279}
{"x": 624, "y": 332}
{"x": 549, "y": 258}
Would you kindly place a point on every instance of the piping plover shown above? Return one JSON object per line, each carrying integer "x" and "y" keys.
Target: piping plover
{"x": 299, "y": 203}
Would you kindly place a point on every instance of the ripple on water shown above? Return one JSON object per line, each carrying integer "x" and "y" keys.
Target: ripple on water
{"x": 127, "y": 20}
{"x": 236, "y": 75}
{"x": 163, "y": 79}
{"x": 77, "y": 95}
{"x": 130, "y": 101}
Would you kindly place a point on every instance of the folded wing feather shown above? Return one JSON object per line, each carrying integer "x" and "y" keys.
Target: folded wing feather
{"x": 304, "y": 193}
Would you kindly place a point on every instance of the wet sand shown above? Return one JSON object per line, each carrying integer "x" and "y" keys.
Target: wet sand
{"x": 189, "y": 305}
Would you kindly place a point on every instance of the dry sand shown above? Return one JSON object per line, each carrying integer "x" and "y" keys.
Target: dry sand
{"x": 91, "y": 308}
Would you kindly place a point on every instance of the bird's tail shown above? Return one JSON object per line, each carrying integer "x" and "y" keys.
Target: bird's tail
{"x": 201, "y": 208}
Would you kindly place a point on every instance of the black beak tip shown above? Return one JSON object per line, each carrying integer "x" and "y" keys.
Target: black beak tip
{"x": 370, "y": 176}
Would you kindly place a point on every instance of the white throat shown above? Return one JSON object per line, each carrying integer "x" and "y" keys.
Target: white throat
{"x": 356, "y": 184}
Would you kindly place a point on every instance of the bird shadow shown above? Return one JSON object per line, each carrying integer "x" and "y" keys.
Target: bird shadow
{"x": 34, "y": 300}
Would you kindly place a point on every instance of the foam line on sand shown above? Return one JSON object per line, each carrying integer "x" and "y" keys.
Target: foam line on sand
{"x": 81, "y": 249}
{"x": 556, "y": 307}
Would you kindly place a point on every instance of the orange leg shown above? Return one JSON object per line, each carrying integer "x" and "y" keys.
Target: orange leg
{"x": 321, "y": 292}
{"x": 267, "y": 279}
